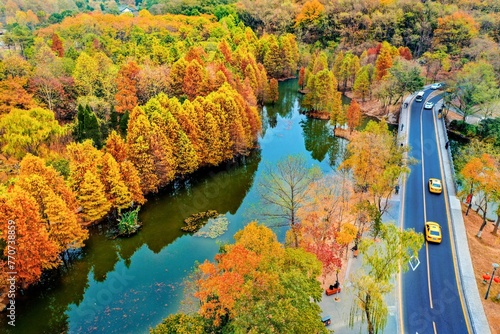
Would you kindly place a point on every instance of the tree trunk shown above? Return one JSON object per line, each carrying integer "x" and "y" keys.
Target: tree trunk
{"x": 495, "y": 230}
{"x": 368, "y": 313}
{"x": 484, "y": 218}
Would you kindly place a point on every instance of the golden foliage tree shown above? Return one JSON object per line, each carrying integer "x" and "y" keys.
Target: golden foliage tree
{"x": 114, "y": 187}
{"x": 139, "y": 149}
{"x": 92, "y": 198}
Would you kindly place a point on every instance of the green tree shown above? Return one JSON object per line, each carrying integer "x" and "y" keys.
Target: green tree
{"x": 383, "y": 260}
{"x": 87, "y": 126}
{"x": 181, "y": 324}
{"x": 362, "y": 83}
{"x": 474, "y": 88}
{"x": 406, "y": 77}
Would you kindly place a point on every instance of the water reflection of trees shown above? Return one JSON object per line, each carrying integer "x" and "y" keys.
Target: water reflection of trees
{"x": 320, "y": 141}
{"x": 287, "y": 102}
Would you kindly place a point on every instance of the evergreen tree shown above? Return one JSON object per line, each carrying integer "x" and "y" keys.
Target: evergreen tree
{"x": 124, "y": 122}
{"x": 87, "y": 126}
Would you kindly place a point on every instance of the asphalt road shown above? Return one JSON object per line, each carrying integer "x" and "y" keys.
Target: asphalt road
{"x": 431, "y": 298}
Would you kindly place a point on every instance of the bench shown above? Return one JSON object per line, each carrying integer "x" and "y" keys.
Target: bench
{"x": 326, "y": 320}
{"x": 333, "y": 291}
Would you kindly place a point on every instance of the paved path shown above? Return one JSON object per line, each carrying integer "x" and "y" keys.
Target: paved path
{"x": 340, "y": 309}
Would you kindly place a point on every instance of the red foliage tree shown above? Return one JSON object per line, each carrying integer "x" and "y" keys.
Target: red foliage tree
{"x": 57, "y": 45}
{"x": 405, "y": 53}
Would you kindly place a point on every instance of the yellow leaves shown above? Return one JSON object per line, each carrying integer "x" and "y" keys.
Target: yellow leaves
{"x": 92, "y": 198}
{"x": 347, "y": 234}
{"x": 311, "y": 11}
{"x": 24, "y": 131}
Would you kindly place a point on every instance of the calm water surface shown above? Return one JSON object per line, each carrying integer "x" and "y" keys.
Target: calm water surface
{"x": 130, "y": 285}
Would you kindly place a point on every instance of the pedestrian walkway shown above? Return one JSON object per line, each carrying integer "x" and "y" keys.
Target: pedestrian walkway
{"x": 339, "y": 306}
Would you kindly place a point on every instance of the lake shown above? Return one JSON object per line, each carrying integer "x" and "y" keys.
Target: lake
{"x": 129, "y": 285}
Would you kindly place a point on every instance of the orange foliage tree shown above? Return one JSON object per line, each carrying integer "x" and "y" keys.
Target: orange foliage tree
{"x": 22, "y": 228}
{"x": 353, "y": 115}
{"x": 256, "y": 278}
{"x": 126, "y": 82}
{"x": 56, "y": 202}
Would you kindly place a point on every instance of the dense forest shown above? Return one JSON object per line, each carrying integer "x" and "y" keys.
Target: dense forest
{"x": 105, "y": 102}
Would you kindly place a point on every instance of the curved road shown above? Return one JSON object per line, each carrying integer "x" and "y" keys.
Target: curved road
{"x": 432, "y": 299}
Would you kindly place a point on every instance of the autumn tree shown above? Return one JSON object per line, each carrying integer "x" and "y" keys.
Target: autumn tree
{"x": 83, "y": 157}
{"x": 176, "y": 77}
{"x": 254, "y": 280}
{"x": 165, "y": 163}
{"x": 51, "y": 83}
{"x": 273, "y": 91}
{"x": 115, "y": 189}
{"x": 376, "y": 163}
{"x": 13, "y": 94}
{"x": 310, "y": 18}
{"x": 57, "y": 45}
{"x": 91, "y": 197}
{"x": 322, "y": 217}
{"x": 126, "y": 85}
{"x": 35, "y": 252}
{"x": 57, "y": 204}
{"x": 116, "y": 146}
{"x": 384, "y": 61}
{"x": 25, "y": 131}
{"x": 382, "y": 261}
{"x": 194, "y": 80}
{"x": 482, "y": 176}
{"x": 131, "y": 178}
{"x": 139, "y": 149}
{"x": 353, "y": 115}
{"x": 283, "y": 190}
{"x": 454, "y": 32}
{"x": 302, "y": 77}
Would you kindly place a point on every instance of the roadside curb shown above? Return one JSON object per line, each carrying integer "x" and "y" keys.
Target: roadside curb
{"x": 474, "y": 306}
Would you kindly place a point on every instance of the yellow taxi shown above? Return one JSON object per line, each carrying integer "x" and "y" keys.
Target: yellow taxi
{"x": 433, "y": 232}
{"x": 435, "y": 186}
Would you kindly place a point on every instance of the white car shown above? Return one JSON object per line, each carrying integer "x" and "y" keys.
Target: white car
{"x": 428, "y": 105}
{"x": 437, "y": 85}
